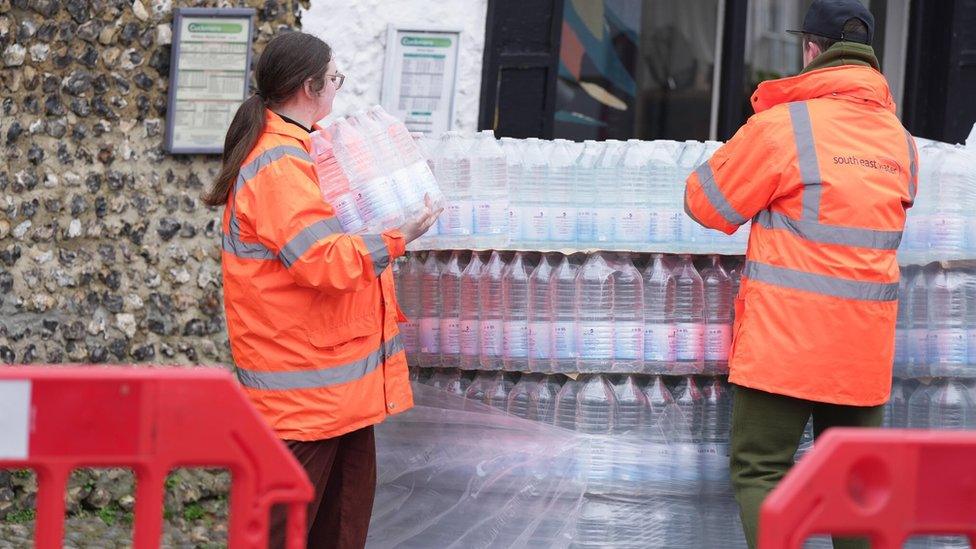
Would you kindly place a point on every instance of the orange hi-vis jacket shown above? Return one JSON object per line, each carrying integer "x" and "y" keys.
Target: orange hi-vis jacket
{"x": 826, "y": 172}
{"x": 311, "y": 311}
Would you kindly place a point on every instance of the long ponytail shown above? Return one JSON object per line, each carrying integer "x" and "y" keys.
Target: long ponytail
{"x": 287, "y": 62}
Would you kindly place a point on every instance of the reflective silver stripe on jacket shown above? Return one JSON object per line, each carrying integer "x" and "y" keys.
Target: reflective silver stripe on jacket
{"x": 806, "y": 154}
{"x": 378, "y": 252}
{"x": 304, "y": 240}
{"x": 715, "y": 197}
{"x": 831, "y": 234}
{"x": 232, "y": 242}
{"x": 820, "y": 284}
{"x": 326, "y": 377}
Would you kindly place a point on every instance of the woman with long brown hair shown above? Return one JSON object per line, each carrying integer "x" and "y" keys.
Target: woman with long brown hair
{"x": 311, "y": 310}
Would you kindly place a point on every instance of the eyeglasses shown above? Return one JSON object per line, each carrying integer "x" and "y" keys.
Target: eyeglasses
{"x": 337, "y": 79}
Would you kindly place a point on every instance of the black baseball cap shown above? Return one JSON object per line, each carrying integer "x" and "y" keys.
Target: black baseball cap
{"x": 826, "y": 18}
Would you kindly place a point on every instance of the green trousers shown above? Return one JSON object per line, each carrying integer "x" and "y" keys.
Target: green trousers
{"x": 766, "y": 432}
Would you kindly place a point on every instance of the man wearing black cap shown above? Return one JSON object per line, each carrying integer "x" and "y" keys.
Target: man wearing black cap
{"x": 825, "y": 172}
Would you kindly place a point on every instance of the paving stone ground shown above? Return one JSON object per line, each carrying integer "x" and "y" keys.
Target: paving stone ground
{"x": 92, "y": 533}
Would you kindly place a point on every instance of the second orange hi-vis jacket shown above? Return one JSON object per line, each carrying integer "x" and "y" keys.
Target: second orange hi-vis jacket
{"x": 311, "y": 311}
{"x": 826, "y": 172}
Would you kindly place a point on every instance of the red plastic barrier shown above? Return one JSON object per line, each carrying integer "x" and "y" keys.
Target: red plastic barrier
{"x": 883, "y": 484}
{"x": 54, "y": 420}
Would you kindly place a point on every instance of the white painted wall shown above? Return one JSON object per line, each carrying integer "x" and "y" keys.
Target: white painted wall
{"x": 356, "y": 30}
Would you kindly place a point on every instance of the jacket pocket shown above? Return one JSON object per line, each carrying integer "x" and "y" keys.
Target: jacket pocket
{"x": 338, "y": 334}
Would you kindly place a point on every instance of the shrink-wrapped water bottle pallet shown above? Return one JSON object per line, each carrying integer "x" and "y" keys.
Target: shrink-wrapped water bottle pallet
{"x": 622, "y": 369}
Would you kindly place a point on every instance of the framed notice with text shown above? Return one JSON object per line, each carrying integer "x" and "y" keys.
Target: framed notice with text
{"x": 210, "y": 69}
{"x": 420, "y": 76}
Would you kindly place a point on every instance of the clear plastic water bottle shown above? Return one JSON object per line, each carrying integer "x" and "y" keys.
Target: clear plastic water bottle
{"x": 950, "y": 406}
{"x": 718, "y": 316}
{"x": 663, "y": 192}
{"x": 535, "y": 203}
{"x": 604, "y": 204}
{"x": 532, "y": 398}
{"x": 689, "y": 308}
{"x": 412, "y": 178}
{"x": 713, "y": 459}
{"x": 501, "y": 387}
{"x": 690, "y": 233}
{"x": 540, "y": 316}
{"x": 480, "y": 388}
{"x": 918, "y": 307}
{"x": 594, "y": 309}
{"x": 375, "y": 124}
{"x": 688, "y": 398}
{"x": 492, "y": 321}
{"x": 947, "y": 335}
{"x": 564, "y": 414}
{"x": 659, "y": 402}
{"x": 628, "y": 316}
{"x": 430, "y": 312}
{"x": 334, "y": 185}
{"x": 919, "y": 405}
{"x": 901, "y": 324}
{"x": 632, "y": 221}
{"x": 596, "y": 414}
{"x": 409, "y": 292}
{"x": 451, "y": 306}
{"x": 489, "y": 175}
{"x": 659, "y": 320}
{"x": 562, "y": 195}
{"x": 896, "y": 411}
{"x": 469, "y": 337}
{"x": 630, "y": 426}
{"x": 952, "y": 194}
{"x": 970, "y": 283}
{"x": 513, "y": 164}
{"x": 564, "y": 327}
{"x": 515, "y": 299}
{"x": 452, "y": 166}
{"x": 586, "y": 190}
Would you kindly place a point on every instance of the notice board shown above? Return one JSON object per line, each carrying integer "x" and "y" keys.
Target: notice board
{"x": 210, "y": 70}
{"x": 420, "y": 74}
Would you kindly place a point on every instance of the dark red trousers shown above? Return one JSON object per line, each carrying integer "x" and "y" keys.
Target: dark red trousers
{"x": 343, "y": 475}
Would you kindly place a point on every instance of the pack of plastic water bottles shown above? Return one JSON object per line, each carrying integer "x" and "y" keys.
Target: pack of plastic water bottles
{"x": 554, "y": 313}
{"x": 371, "y": 171}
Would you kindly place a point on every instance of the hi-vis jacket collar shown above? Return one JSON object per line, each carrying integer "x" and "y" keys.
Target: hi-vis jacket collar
{"x": 276, "y": 125}
{"x": 862, "y": 85}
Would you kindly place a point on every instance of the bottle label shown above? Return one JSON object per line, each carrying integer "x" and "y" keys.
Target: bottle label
{"x": 584, "y": 224}
{"x": 602, "y": 224}
{"x": 595, "y": 339}
{"x": 468, "y": 337}
{"x": 689, "y": 341}
{"x": 659, "y": 342}
{"x": 345, "y": 209}
{"x": 632, "y": 225}
{"x": 410, "y": 336}
{"x": 491, "y": 337}
{"x": 564, "y": 339}
{"x": 972, "y": 343}
{"x": 564, "y": 223}
{"x": 450, "y": 333}
{"x": 628, "y": 340}
{"x": 917, "y": 351}
{"x": 376, "y": 200}
{"x": 539, "y": 339}
{"x": 947, "y": 346}
{"x": 516, "y": 339}
{"x": 457, "y": 218}
{"x": 663, "y": 225}
{"x": 491, "y": 217}
{"x": 718, "y": 339}
{"x": 514, "y": 222}
{"x": 430, "y": 335}
{"x": 535, "y": 223}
